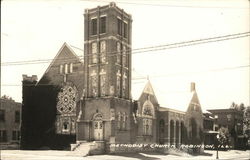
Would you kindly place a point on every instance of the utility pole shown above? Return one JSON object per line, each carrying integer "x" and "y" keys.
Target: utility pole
{"x": 217, "y": 153}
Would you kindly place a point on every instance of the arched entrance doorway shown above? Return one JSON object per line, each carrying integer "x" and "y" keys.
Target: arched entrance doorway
{"x": 97, "y": 127}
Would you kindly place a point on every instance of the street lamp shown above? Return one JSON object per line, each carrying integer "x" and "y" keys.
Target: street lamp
{"x": 217, "y": 153}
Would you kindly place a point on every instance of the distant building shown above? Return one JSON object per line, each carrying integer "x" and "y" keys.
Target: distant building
{"x": 10, "y": 116}
{"x": 210, "y": 129}
{"x": 233, "y": 120}
{"x": 88, "y": 104}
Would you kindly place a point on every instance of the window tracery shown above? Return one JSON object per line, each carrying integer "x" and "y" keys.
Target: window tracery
{"x": 148, "y": 109}
{"x": 147, "y": 126}
{"x": 67, "y": 99}
{"x": 103, "y": 82}
{"x": 119, "y": 121}
{"x": 124, "y": 56}
{"x": 93, "y": 86}
{"x": 118, "y": 82}
{"x": 118, "y": 56}
{"x": 103, "y": 51}
{"x": 124, "y": 84}
{"x": 94, "y": 52}
{"x": 148, "y": 114}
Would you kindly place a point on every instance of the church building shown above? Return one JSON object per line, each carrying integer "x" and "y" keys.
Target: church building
{"x": 87, "y": 102}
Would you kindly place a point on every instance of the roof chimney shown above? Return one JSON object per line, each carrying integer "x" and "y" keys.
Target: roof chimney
{"x": 192, "y": 87}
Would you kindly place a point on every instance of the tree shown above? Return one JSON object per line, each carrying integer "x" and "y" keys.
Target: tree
{"x": 233, "y": 105}
{"x": 223, "y": 136}
{"x": 242, "y": 107}
{"x": 246, "y": 122}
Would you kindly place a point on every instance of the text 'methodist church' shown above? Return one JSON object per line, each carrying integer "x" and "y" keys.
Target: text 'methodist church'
{"x": 88, "y": 102}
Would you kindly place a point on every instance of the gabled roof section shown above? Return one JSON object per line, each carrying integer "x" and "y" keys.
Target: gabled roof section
{"x": 194, "y": 104}
{"x": 56, "y": 58}
{"x": 148, "y": 90}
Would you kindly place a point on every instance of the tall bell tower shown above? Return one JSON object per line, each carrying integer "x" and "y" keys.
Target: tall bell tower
{"x": 107, "y": 52}
{"x": 105, "y": 112}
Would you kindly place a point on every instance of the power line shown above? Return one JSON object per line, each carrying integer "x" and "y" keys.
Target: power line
{"x": 153, "y": 76}
{"x": 139, "y": 50}
{"x": 165, "y": 5}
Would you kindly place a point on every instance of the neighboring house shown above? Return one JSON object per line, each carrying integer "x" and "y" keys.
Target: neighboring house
{"x": 90, "y": 104}
{"x": 10, "y": 116}
{"x": 210, "y": 129}
{"x": 233, "y": 120}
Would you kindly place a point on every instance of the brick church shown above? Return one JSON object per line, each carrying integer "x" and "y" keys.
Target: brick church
{"x": 87, "y": 102}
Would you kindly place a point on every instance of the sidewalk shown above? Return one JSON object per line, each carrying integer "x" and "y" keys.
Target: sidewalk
{"x": 67, "y": 155}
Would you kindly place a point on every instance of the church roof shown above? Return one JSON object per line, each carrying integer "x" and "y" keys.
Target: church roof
{"x": 77, "y": 51}
{"x": 74, "y": 52}
{"x": 148, "y": 89}
{"x": 178, "y": 101}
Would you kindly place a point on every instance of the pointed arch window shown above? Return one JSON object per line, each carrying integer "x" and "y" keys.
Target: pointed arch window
{"x": 118, "y": 56}
{"x": 94, "y": 52}
{"x": 118, "y": 83}
{"x": 124, "y": 56}
{"x": 148, "y": 115}
{"x": 93, "y": 86}
{"x": 147, "y": 126}
{"x": 124, "y": 80}
{"x": 103, "y": 51}
{"x": 119, "y": 121}
{"x": 103, "y": 82}
{"x": 66, "y": 109}
{"x": 124, "y": 119}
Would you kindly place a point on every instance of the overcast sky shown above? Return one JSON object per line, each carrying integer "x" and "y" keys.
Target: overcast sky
{"x": 32, "y": 30}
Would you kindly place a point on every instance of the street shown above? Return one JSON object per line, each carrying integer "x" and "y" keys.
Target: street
{"x": 68, "y": 155}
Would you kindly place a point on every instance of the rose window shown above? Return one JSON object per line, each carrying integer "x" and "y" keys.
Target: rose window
{"x": 67, "y": 99}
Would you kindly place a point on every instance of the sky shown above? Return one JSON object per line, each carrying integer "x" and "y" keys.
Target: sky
{"x": 35, "y": 30}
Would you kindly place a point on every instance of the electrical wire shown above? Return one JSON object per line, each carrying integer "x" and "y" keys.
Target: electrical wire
{"x": 165, "y": 5}
{"x": 153, "y": 76}
{"x": 138, "y": 50}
